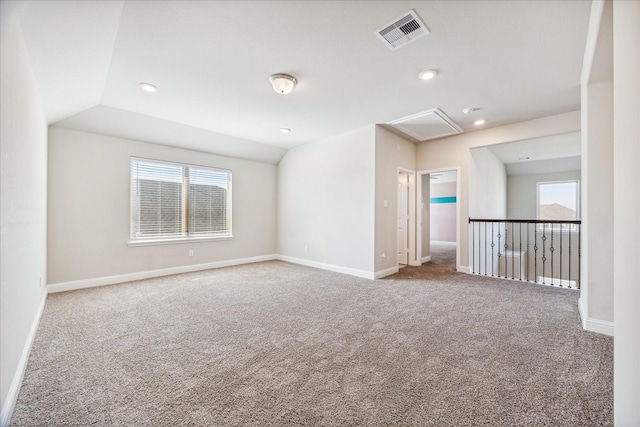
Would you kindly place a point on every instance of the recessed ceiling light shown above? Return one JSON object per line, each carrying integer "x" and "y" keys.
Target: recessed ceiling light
{"x": 427, "y": 75}
{"x": 148, "y": 87}
{"x": 285, "y": 130}
{"x": 480, "y": 122}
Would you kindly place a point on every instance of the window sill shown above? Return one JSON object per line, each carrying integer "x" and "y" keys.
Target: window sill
{"x": 177, "y": 240}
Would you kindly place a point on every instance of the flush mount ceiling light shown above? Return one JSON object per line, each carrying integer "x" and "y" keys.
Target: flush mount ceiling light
{"x": 469, "y": 110}
{"x": 285, "y": 130}
{"x": 282, "y": 83}
{"x": 148, "y": 87}
{"x": 480, "y": 122}
{"x": 428, "y": 74}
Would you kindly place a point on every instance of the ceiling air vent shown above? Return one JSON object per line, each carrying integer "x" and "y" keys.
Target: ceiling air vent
{"x": 426, "y": 125}
{"x": 402, "y": 30}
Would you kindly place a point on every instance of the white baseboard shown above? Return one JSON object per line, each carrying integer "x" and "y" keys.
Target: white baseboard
{"x": 464, "y": 269}
{"x": 443, "y": 242}
{"x": 386, "y": 272}
{"x": 141, "y": 275}
{"x": 330, "y": 267}
{"x": 594, "y": 325}
{"x": 599, "y": 326}
{"x": 583, "y": 313}
{"x": 426, "y": 258}
{"x": 12, "y": 395}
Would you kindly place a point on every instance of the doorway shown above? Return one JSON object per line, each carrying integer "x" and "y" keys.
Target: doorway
{"x": 439, "y": 216}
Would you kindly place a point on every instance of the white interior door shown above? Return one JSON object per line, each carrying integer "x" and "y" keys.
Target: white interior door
{"x": 403, "y": 218}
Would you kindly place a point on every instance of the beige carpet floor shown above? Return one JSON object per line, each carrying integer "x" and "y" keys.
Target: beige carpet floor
{"x": 443, "y": 253}
{"x": 275, "y": 344}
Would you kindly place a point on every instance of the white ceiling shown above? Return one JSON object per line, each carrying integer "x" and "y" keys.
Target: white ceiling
{"x": 547, "y": 147}
{"x": 442, "y": 177}
{"x": 553, "y": 165}
{"x": 514, "y": 60}
{"x": 554, "y": 153}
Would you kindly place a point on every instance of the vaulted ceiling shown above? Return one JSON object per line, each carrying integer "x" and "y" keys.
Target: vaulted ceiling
{"x": 512, "y": 60}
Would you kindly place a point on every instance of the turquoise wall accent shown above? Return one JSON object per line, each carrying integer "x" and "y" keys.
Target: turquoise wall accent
{"x": 451, "y": 199}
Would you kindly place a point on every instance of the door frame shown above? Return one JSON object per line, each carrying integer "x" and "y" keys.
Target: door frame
{"x": 418, "y": 228}
{"x": 412, "y": 258}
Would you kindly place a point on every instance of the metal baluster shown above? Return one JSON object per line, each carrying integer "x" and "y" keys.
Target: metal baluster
{"x": 512, "y": 257}
{"x": 492, "y": 246}
{"x": 478, "y": 251}
{"x": 520, "y": 242}
{"x": 579, "y": 251}
{"x": 506, "y": 239}
{"x": 473, "y": 247}
{"x": 561, "y": 225}
{"x": 552, "y": 249}
{"x": 499, "y": 255}
{"x": 479, "y": 237}
{"x": 485, "y": 248}
{"x": 544, "y": 251}
{"x": 569, "y": 253}
{"x": 535, "y": 252}
{"x": 527, "y": 252}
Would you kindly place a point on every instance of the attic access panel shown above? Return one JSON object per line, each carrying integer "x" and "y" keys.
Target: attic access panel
{"x": 426, "y": 125}
{"x": 402, "y": 30}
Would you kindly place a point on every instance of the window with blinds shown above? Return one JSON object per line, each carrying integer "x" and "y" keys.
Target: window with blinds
{"x": 171, "y": 201}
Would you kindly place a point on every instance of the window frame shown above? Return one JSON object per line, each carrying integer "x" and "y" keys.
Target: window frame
{"x": 184, "y": 204}
{"x": 557, "y": 227}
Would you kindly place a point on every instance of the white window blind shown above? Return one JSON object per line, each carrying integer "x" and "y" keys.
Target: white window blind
{"x": 174, "y": 201}
{"x": 207, "y": 202}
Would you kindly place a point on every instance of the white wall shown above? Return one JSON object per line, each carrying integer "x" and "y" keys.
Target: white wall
{"x": 597, "y": 193}
{"x": 453, "y": 151}
{"x": 392, "y": 152}
{"x": 23, "y": 208}
{"x": 89, "y": 209}
{"x": 522, "y": 192}
{"x": 443, "y": 215}
{"x": 596, "y": 295}
{"x": 626, "y": 203}
{"x": 487, "y": 185}
{"x": 326, "y": 199}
